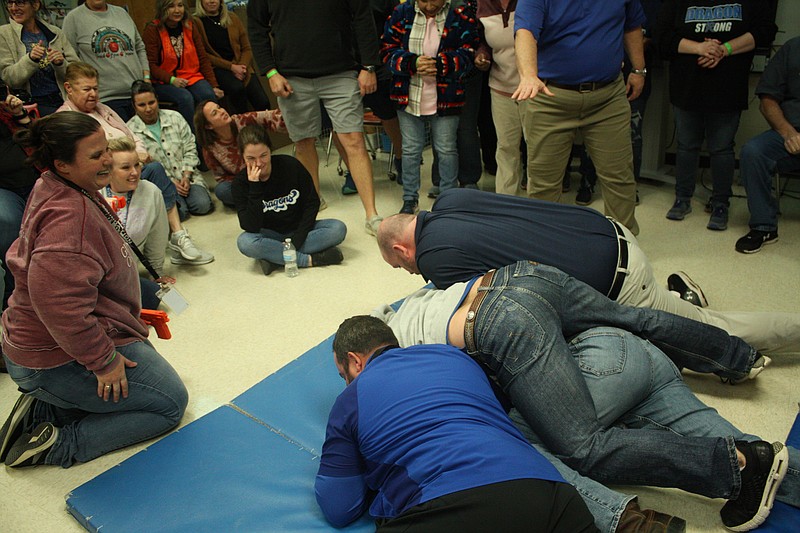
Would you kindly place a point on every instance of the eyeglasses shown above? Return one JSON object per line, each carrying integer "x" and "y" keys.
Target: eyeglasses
{"x": 17, "y": 2}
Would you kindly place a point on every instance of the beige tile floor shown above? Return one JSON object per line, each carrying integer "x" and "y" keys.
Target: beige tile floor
{"x": 242, "y": 326}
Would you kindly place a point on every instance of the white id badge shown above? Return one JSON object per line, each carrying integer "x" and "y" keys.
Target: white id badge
{"x": 175, "y": 300}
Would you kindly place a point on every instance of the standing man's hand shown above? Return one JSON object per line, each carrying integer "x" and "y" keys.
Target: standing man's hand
{"x": 367, "y": 82}
{"x": 280, "y": 86}
{"x": 634, "y": 86}
{"x": 530, "y": 87}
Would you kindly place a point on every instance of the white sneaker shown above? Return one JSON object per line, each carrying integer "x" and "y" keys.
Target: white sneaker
{"x": 203, "y": 259}
{"x": 372, "y": 224}
{"x": 180, "y": 242}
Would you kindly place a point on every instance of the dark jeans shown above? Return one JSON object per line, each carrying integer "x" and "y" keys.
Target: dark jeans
{"x": 518, "y": 506}
{"x": 239, "y": 94}
{"x": 719, "y": 131}
{"x": 520, "y": 331}
{"x": 470, "y": 166}
{"x": 48, "y": 103}
{"x": 185, "y": 99}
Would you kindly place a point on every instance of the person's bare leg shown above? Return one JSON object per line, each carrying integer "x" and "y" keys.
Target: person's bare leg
{"x": 392, "y": 129}
{"x": 306, "y": 153}
{"x": 173, "y": 219}
{"x": 361, "y": 168}
{"x": 342, "y": 152}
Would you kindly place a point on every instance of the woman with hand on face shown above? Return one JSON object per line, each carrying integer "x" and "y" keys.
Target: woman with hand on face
{"x": 228, "y": 48}
{"x": 34, "y": 55}
{"x": 179, "y": 65}
{"x": 143, "y": 214}
{"x": 216, "y": 132}
{"x": 73, "y": 341}
{"x": 275, "y": 199}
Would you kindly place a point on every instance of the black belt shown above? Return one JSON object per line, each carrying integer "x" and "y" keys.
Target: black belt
{"x": 622, "y": 264}
{"x": 585, "y": 87}
{"x": 469, "y": 323}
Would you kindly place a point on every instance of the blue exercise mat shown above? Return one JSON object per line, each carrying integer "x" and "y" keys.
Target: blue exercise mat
{"x": 249, "y": 465}
{"x": 231, "y": 469}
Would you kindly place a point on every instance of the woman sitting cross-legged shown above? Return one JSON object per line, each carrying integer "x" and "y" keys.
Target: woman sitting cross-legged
{"x": 73, "y": 341}
{"x": 275, "y": 199}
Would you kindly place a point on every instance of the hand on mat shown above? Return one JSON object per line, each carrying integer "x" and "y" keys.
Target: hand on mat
{"x": 280, "y": 86}
{"x": 114, "y": 384}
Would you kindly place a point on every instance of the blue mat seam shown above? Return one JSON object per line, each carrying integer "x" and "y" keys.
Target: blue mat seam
{"x": 273, "y": 429}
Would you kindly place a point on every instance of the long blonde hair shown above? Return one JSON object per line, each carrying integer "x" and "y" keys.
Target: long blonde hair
{"x": 224, "y": 17}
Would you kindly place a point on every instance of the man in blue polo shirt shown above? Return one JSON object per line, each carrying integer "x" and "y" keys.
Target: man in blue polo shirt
{"x": 420, "y": 439}
{"x": 569, "y": 56}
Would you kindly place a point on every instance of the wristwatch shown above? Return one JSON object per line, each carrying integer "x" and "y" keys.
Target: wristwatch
{"x": 370, "y": 68}
{"x": 641, "y": 72}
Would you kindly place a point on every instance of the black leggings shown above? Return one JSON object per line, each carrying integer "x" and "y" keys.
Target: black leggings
{"x": 519, "y": 506}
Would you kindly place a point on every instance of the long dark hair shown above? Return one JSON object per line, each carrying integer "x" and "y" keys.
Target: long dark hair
{"x": 55, "y": 137}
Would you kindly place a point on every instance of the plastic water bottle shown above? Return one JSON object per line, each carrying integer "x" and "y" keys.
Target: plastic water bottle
{"x": 290, "y": 258}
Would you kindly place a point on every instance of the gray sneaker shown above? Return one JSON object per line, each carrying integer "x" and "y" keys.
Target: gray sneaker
{"x": 679, "y": 210}
{"x": 181, "y": 243}
{"x": 13, "y": 427}
{"x": 719, "y": 218}
{"x": 203, "y": 259}
{"x": 31, "y": 448}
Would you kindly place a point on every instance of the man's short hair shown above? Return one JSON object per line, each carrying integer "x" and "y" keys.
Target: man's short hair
{"x": 391, "y": 231}
{"x": 361, "y": 334}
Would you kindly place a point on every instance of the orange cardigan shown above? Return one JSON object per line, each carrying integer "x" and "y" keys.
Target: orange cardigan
{"x": 163, "y": 63}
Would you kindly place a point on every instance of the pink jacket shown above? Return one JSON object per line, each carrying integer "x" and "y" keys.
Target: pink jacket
{"x": 103, "y": 113}
{"x": 77, "y": 288}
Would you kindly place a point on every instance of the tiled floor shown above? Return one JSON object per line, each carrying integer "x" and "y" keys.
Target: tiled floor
{"x": 242, "y": 326}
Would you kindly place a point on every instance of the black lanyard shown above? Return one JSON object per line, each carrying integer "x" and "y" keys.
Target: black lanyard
{"x": 117, "y": 225}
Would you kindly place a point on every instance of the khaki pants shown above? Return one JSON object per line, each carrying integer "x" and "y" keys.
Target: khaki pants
{"x": 603, "y": 118}
{"x": 508, "y": 116}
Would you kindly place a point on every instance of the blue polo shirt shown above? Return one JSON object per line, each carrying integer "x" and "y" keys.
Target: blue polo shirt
{"x": 418, "y": 423}
{"x": 579, "y": 40}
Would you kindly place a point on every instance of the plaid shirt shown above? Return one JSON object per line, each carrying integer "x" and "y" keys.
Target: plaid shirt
{"x": 176, "y": 149}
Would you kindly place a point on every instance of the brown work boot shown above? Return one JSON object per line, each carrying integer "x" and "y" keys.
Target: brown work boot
{"x": 637, "y": 520}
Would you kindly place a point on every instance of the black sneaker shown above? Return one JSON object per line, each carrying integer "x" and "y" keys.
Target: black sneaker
{"x": 410, "y": 207}
{"x": 12, "y": 429}
{"x": 267, "y": 267}
{"x": 753, "y": 241}
{"x": 584, "y": 196}
{"x": 765, "y": 466}
{"x": 31, "y": 448}
{"x": 331, "y": 256}
{"x": 719, "y": 218}
{"x": 679, "y": 210}
{"x": 688, "y": 290}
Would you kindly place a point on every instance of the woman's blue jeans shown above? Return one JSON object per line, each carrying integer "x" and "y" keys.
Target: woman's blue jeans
{"x": 87, "y": 426}
{"x": 719, "y": 131}
{"x": 268, "y": 244}
{"x": 520, "y": 329}
{"x": 185, "y": 99}
{"x": 443, "y": 137}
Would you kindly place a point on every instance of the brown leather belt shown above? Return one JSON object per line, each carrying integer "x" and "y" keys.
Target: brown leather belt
{"x": 469, "y": 323}
{"x": 622, "y": 264}
{"x": 585, "y": 87}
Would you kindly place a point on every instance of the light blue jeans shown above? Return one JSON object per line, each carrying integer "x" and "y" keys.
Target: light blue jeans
{"x": 761, "y": 157}
{"x": 519, "y": 332}
{"x": 634, "y": 385}
{"x": 224, "y": 194}
{"x": 87, "y": 426}
{"x": 268, "y": 244}
{"x": 197, "y": 202}
{"x": 443, "y": 137}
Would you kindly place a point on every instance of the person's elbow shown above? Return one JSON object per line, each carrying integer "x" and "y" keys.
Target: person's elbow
{"x": 341, "y": 499}
{"x": 339, "y": 515}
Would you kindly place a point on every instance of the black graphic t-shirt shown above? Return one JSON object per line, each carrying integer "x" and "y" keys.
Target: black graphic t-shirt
{"x": 724, "y": 87}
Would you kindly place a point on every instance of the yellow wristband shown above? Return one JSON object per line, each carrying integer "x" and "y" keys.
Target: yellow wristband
{"x": 729, "y": 48}
{"x": 272, "y": 73}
